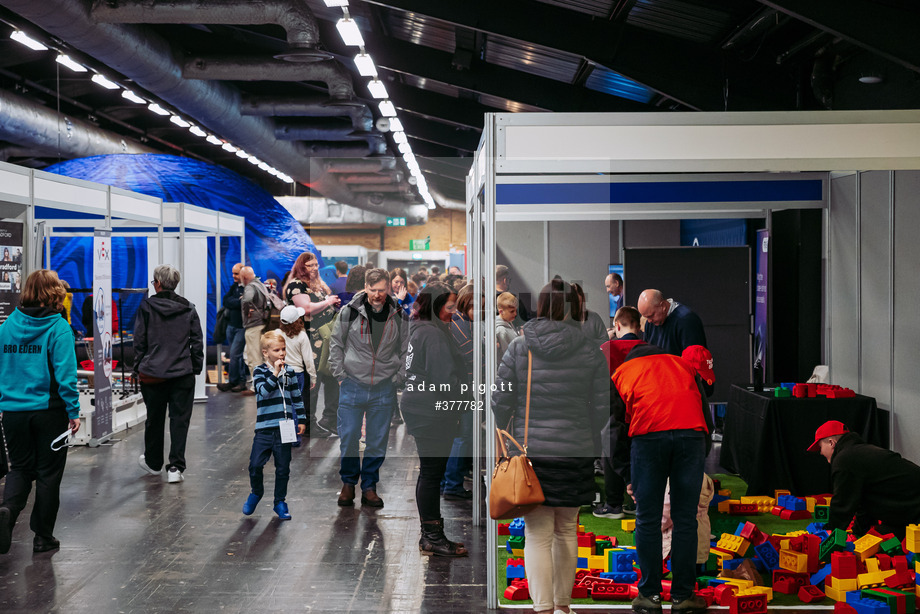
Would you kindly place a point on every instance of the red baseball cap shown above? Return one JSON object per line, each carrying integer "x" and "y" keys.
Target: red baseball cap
{"x": 701, "y": 360}
{"x": 828, "y": 429}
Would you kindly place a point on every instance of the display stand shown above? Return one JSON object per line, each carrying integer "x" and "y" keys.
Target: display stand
{"x": 561, "y": 166}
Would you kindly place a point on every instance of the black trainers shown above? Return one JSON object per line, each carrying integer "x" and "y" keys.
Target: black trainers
{"x": 225, "y": 387}
{"x": 647, "y": 605}
{"x": 5, "y": 531}
{"x": 45, "y": 544}
{"x": 689, "y": 605}
{"x": 608, "y": 511}
{"x": 629, "y": 507}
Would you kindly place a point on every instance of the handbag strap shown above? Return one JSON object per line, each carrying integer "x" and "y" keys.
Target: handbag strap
{"x": 527, "y": 404}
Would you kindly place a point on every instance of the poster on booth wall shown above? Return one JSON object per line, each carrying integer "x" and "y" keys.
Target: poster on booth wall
{"x": 760, "y": 300}
{"x": 102, "y": 333}
{"x": 10, "y": 267}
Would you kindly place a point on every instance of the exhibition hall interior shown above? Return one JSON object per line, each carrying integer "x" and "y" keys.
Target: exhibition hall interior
{"x": 392, "y": 261}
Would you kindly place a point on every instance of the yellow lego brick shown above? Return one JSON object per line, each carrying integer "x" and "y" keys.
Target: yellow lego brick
{"x": 585, "y": 551}
{"x": 756, "y": 590}
{"x": 725, "y": 492}
{"x": 734, "y": 543}
{"x": 722, "y": 555}
{"x": 810, "y": 504}
{"x": 724, "y": 505}
{"x": 517, "y": 552}
{"x": 793, "y": 561}
{"x": 581, "y": 528}
{"x": 842, "y": 584}
{"x": 913, "y": 538}
{"x": 872, "y": 565}
{"x": 779, "y": 493}
{"x": 866, "y": 546}
{"x": 864, "y": 580}
{"x": 784, "y": 544}
{"x": 741, "y": 583}
{"x": 834, "y": 593}
{"x": 598, "y": 562}
{"x": 628, "y": 525}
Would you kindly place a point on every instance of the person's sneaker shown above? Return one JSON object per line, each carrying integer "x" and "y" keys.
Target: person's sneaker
{"x": 45, "y": 544}
{"x": 6, "y": 534}
{"x": 251, "y": 502}
{"x": 143, "y": 463}
{"x": 689, "y": 605}
{"x": 608, "y": 511}
{"x": 238, "y": 388}
{"x": 329, "y": 426}
{"x": 629, "y": 507}
{"x": 571, "y": 611}
{"x": 647, "y": 605}
{"x": 370, "y": 498}
{"x": 281, "y": 509}
{"x": 174, "y": 476}
{"x": 458, "y": 495}
{"x": 317, "y": 430}
{"x": 598, "y": 468}
{"x": 225, "y": 387}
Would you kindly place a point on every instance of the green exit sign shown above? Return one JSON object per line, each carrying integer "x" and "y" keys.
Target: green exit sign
{"x": 420, "y": 244}
{"x": 396, "y": 221}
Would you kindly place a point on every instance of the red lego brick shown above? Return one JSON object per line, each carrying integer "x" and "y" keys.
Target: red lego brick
{"x": 515, "y": 562}
{"x": 777, "y": 510}
{"x": 579, "y": 592}
{"x": 591, "y": 581}
{"x": 517, "y": 592}
{"x": 810, "y": 594}
{"x": 899, "y": 563}
{"x": 798, "y": 579}
{"x": 586, "y": 540}
{"x": 785, "y": 586}
{"x": 900, "y": 599}
{"x": 610, "y": 591}
{"x": 743, "y": 509}
{"x": 845, "y": 565}
{"x": 902, "y": 578}
{"x": 843, "y": 608}
{"x": 581, "y": 573}
{"x": 708, "y": 594}
{"x": 748, "y": 604}
{"x": 724, "y": 593}
{"x": 884, "y": 561}
{"x": 503, "y": 528}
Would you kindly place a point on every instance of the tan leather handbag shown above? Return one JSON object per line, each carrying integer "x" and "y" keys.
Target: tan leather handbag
{"x": 515, "y": 489}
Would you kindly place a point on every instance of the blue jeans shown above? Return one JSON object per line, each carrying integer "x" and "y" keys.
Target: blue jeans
{"x": 237, "y": 341}
{"x": 656, "y": 457}
{"x": 355, "y": 402}
{"x": 461, "y": 456}
{"x": 265, "y": 443}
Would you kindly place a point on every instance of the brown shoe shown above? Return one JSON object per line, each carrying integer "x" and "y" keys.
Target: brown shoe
{"x": 347, "y": 496}
{"x": 370, "y": 498}
{"x": 248, "y": 393}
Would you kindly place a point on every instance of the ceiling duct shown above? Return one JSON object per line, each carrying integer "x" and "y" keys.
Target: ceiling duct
{"x": 372, "y": 165}
{"x": 300, "y": 106}
{"x": 230, "y": 68}
{"x": 294, "y": 16}
{"x": 370, "y": 179}
{"x": 334, "y": 149}
{"x": 28, "y": 123}
{"x": 147, "y": 59}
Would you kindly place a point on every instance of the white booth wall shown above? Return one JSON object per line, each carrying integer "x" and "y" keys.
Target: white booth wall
{"x": 873, "y": 322}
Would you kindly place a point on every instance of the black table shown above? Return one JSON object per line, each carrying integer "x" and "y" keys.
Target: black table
{"x": 765, "y": 438}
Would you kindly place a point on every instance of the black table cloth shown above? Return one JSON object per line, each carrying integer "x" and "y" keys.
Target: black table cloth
{"x": 765, "y": 438}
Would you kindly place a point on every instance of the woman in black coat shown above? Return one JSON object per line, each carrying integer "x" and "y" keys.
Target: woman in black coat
{"x": 570, "y": 391}
{"x": 431, "y": 407}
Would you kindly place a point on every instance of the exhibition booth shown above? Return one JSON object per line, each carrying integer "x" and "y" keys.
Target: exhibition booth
{"x": 546, "y": 190}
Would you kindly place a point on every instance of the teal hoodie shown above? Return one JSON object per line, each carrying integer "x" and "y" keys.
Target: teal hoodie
{"x": 38, "y": 363}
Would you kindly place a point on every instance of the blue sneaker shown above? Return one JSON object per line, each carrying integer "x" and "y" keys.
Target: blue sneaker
{"x": 251, "y": 502}
{"x": 281, "y": 509}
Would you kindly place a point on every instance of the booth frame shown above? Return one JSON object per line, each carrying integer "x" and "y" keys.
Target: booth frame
{"x": 547, "y": 147}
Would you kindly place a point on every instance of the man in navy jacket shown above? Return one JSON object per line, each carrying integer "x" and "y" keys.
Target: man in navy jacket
{"x": 669, "y": 325}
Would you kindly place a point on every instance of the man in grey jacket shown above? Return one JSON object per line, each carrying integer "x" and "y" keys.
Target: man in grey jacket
{"x": 168, "y": 354}
{"x": 367, "y": 355}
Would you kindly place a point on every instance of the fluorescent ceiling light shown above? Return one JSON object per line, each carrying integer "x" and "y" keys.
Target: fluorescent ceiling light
{"x": 100, "y": 80}
{"x": 399, "y": 137}
{"x": 133, "y": 97}
{"x": 335, "y": 3}
{"x": 377, "y": 89}
{"x": 404, "y": 148}
{"x": 254, "y": 160}
{"x": 31, "y": 43}
{"x": 387, "y": 109}
{"x": 157, "y": 109}
{"x": 348, "y": 30}
{"x": 229, "y": 147}
{"x": 197, "y": 131}
{"x": 242, "y": 154}
{"x": 264, "y": 166}
{"x": 395, "y": 125}
{"x": 213, "y": 140}
{"x": 286, "y": 179}
{"x": 365, "y": 65}
{"x": 179, "y": 121}
{"x": 65, "y": 60}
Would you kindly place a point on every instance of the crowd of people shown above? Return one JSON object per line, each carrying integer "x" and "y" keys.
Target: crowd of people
{"x": 627, "y": 401}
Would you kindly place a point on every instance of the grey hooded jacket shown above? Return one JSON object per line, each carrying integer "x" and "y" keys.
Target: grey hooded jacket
{"x": 351, "y": 353}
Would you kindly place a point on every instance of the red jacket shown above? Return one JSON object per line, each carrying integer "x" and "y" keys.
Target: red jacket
{"x": 615, "y": 351}
{"x": 660, "y": 394}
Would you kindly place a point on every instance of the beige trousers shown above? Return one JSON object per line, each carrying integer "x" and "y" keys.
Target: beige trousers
{"x": 550, "y": 553}
{"x": 252, "y": 354}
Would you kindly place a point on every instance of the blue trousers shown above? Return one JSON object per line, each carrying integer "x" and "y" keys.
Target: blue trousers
{"x": 656, "y": 457}
{"x": 237, "y": 342}
{"x": 376, "y": 403}
{"x": 266, "y": 443}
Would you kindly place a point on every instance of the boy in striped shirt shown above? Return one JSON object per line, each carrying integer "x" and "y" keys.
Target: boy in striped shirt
{"x": 278, "y": 405}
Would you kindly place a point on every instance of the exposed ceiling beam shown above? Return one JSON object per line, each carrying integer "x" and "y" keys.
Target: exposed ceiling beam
{"x": 878, "y": 27}
{"x": 677, "y": 69}
{"x": 453, "y": 111}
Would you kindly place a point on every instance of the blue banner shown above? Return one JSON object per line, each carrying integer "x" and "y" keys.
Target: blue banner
{"x": 761, "y": 304}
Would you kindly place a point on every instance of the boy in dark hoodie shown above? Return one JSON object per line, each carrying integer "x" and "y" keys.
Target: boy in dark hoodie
{"x": 168, "y": 354}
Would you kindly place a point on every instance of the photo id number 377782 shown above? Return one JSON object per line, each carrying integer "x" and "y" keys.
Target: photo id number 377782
{"x": 458, "y": 405}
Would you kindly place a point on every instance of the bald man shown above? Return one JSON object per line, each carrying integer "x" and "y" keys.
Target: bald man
{"x": 669, "y": 325}
{"x": 253, "y": 305}
{"x": 234, "y": 337}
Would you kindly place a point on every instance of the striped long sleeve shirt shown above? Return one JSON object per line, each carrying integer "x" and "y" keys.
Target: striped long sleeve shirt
{"x": 276, "y": 396}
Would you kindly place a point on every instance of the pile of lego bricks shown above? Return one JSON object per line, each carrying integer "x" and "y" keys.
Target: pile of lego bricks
{"x": 801, "y": 566}
{"x": 801, "y": 391}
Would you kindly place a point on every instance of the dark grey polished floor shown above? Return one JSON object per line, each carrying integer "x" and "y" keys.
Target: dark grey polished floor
{"x": 132, "y": 543}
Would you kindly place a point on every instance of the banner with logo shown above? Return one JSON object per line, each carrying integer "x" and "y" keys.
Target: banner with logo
{"x": 761, "y": 304}
{"x": 10, "y": 267}
{"x": 102, "y": 333}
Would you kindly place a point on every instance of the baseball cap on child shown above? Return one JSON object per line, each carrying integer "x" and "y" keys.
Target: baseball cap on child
{"x": 828, "y": 429}
{"x": 701, "y": 360}
{"x": 291, "y": 314}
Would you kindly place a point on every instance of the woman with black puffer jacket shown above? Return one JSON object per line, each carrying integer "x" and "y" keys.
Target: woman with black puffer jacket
{"x": 570, "y": 391}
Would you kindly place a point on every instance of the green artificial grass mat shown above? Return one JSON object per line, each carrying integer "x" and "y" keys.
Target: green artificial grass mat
{"x": 721, "y": 523}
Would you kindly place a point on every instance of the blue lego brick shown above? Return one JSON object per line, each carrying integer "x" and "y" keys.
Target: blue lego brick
{"x": 516, "y": 527}
{"x": 582, "y": 562}
{"x": 621, "y": 578}
{"x": 732, "y": 563}
{"x": 759, "y": 566}
{"x": 514, "y": 572}
{"x": 621, "y": 561}
{"x": 817, "y": 578}
{"x": 910, "y": 559}
{"x": 768, "y": 555}
{"x": 815, "y": 528}
{"x": 717, "y": 581}
{"x": 788, "y": 385}
{"x": 868, "y": 606}
{"x": 716, "y": 499}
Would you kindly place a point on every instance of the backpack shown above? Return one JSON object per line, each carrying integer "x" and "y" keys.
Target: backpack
{"x": 272, "y": 311}
{"x": 219, "y": 335}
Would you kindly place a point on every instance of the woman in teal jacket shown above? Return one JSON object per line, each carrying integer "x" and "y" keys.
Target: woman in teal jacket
{"x": 38, "y": 402}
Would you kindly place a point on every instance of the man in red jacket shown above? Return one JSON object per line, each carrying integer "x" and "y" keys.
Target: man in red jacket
{"x": 661, "y": 400}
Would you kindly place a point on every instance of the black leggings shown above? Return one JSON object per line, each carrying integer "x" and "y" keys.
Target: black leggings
{"x": 433, "y": 453}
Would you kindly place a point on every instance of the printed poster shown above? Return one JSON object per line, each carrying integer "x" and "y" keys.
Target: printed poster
{"x": 102, "y": 333}
{"x": 10, "y": 267}
{"x": 760, "y": 299}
